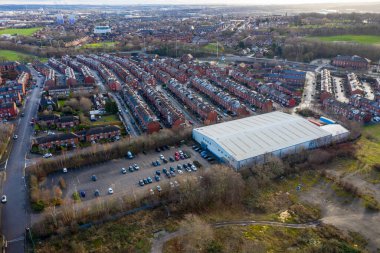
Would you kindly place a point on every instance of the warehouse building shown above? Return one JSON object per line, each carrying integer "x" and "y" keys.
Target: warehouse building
{"x": 252, "y": 140}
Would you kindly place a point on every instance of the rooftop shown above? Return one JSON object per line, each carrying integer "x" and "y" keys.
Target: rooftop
{"x": 256, "y": 135}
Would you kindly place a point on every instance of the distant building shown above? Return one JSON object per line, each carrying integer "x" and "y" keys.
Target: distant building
{"x": 56, "y": 140}
{"x": 355, "y": 62}
{"x": 102, "y": 30}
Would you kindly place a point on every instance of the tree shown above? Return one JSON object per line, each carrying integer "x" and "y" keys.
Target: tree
{"x": 198, "y": 234}
{"x": 111, "y": 106}
{"x": 85, "y": 104}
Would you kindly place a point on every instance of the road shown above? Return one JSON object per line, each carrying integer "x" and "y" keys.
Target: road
{"x": 15, "y": 215}
{"x": 158, "y": 243}
{"x": 125, "y": 114}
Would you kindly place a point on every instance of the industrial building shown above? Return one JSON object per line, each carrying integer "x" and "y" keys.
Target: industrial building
{"x": 253, "y": 140}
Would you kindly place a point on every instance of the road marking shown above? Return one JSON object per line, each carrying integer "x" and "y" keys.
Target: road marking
{"x": 6, "y": 163}
{"x": 21, "y": 238}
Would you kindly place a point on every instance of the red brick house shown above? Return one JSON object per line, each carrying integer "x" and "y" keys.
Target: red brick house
{"x": 355, "y": 62}
{"x": 57, "y": 140}
{"x": 99, "y": 133}
{"x": 67, "y": 121}
{"x": 8, "y": 110}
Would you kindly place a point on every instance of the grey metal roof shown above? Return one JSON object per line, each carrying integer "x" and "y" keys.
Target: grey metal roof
{"x": 265, "y": 133}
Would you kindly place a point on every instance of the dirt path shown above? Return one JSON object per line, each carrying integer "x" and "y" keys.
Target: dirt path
{"x": 158, "y": 243}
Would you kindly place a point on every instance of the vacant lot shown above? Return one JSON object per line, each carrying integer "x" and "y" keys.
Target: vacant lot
{"x": 361, "y": 39}
{"x": 10, "y": 55}
{"x": 20, "y": 31}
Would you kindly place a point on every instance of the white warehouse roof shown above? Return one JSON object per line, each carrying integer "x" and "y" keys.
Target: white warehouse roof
{"x": 335, "y": 129}
{"x": 265, "y": 133}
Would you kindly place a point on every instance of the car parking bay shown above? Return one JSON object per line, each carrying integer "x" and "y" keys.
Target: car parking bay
{"x": 109, "y": 174}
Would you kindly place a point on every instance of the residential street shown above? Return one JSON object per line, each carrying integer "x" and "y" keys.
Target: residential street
{"x": 15, "y": 216}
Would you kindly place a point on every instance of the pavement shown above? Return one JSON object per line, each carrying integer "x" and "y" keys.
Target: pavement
{"x": 158, "y": 243}
{"x": 15, "y": 217}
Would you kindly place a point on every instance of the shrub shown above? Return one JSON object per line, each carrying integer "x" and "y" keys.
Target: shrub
{"x": 38, "y": 206}
{"x": 76, "y": 196}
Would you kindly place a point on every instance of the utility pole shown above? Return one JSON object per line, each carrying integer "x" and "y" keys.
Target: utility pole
{"x": 217, "y": 50}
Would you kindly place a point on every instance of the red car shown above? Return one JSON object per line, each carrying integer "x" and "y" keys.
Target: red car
{"x": 176, "y": 153}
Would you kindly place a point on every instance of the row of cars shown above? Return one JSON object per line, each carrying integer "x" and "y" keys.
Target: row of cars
{"x": 171, "y": 172}
{"x": 96, "y": 192}
{"x": 204, "y": 154}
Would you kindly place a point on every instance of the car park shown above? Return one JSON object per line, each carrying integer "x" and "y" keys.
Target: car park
{"x": 110, "y": 190}
{"x": 123, "y": 171}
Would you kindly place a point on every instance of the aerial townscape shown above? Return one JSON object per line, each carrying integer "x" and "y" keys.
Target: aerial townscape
{"x": 215, "y": 127}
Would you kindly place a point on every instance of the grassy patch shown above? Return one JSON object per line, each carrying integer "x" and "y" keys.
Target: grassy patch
{"x": 211, "y": 48}
{"x": 361, "y": 39}
{"x": 61, "y": 103}
{"x": 107, "y": 44}
{"x": 107, "y": 120}
{"x": 20, "y": 31}
{"x": 10, "y": 55}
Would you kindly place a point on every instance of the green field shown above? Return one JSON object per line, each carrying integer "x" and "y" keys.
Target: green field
{"x": 20, "y": 31}
{"x": 361, "y": 39}
{"x": 211, "y": 48}
{"x": 100, "y": 45}
{"x": 9, "y": 55}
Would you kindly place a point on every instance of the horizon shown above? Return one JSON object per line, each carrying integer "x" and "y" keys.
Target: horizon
{"x": 185, "y": 2}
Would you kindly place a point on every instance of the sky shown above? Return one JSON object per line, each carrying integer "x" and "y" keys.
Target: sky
{"x": 201, "y": 2}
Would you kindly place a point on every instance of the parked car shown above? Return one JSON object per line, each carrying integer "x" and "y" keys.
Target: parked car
{"x": 123, "y": 170}
{"x": 158, "y": 173}
{"x": 130, "y": 168}
{"x": 129, "y": 155}
{"x": 157, "y": 178}
{"x": 159, "y": 188}
{"x": 193, "y": 168}
{"x": 136, "y": 167}
{"x": 82, "y": 194}
{"x": 172, "y": 169}
{"x": 164, "y": 170}
{"x": 4, "y": 199}
{"x": 110, "y": 190}
{"x": 48, "y": 155}
{"x": 164, "y": 160}
{"x": 162, "y": 157}
{"x": 180, "y": 172}
{"x": 15, "y": 137}
{"x": 64, "y": 170}
{"x": 149, "y": 179}
{"x": 172, "y": 173}
{"x": 171, "y": 159}
{"x": 141, "y": 182}
{"x": 179, "y": 167}
{"x": 97, "y": 193}
{"x": 94, "y": 178}
{"x": 145, "y": 181}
